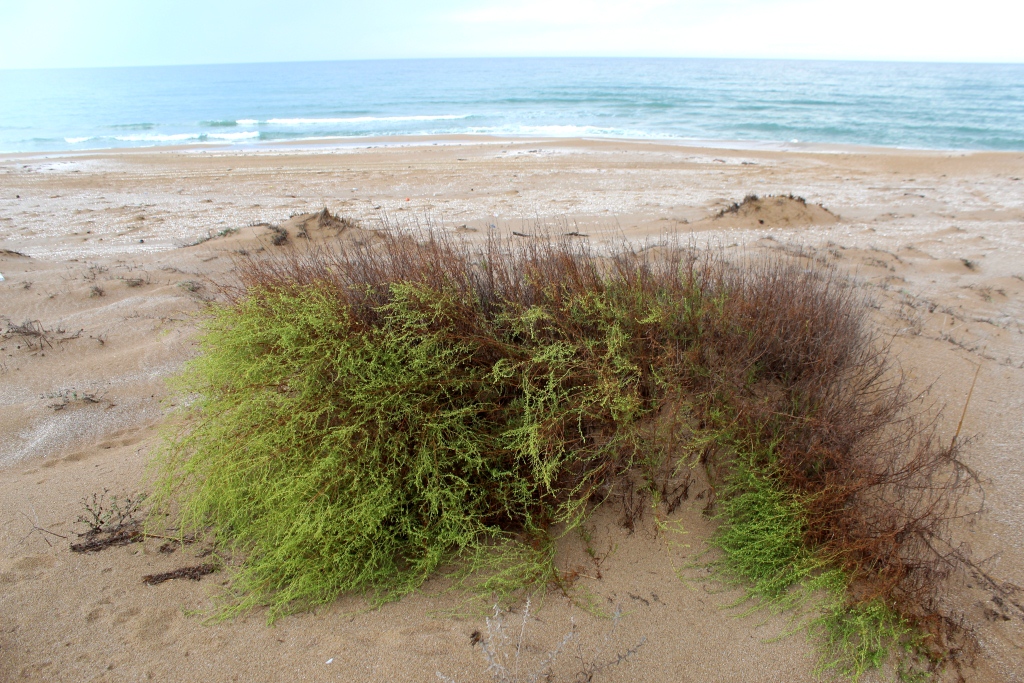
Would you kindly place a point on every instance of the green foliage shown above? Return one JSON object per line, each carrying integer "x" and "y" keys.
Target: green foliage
{"x": 857, "y": 638}
{"x": 358, "y": 421}
{"x": 763, "y": 536}
{"x": 341, "y": 457}
{"x": 763, "y": 546}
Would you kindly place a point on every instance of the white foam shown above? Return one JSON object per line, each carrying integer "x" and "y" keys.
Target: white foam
{"x": 364, "y": 119}
{"x": 247, "y": 122}
{"x": 75, "y": 141}
{"x": 568, "y": 131}
{"x": 177, "y": 137}
{"x": 241, "y": 135}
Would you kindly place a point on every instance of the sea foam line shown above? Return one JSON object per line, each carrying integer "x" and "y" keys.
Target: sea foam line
{"x": 182, "y": 137}
{"x": 569, "y": 131}
{"x": 356, "y": 119}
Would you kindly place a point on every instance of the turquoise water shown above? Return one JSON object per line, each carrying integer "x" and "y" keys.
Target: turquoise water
{"x": 931, "y": 106}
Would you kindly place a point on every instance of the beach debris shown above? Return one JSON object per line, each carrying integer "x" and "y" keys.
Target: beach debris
{"x": 521, "y": 234}
{"x": 173, "y": 543}
{"x": 132, "y": 282}
{"x": 69, "y": 397}
{"x": 214, "y": 235}
{"x": 193, "y": 573}
{"x": 125, "y": 535}
{"x": 34, "y": 335}
{"x": 110, "y": 521}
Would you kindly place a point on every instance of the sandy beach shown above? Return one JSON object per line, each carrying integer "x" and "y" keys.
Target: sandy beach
{"x": 107, "y": 257}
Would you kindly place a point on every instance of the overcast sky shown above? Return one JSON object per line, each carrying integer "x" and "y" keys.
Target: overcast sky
{"x": 71, "y": 33}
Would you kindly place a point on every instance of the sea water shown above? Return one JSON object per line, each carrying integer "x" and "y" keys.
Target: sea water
{"x": 715, "y": 101}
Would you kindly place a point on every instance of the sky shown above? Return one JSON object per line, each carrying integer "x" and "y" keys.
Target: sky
{"x": 90, "y": 33}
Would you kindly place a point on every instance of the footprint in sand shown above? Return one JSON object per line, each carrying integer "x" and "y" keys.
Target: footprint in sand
{"x": 26, "y": 568}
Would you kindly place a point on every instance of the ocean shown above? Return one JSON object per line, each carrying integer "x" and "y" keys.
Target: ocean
{"x": 701, "y": 101}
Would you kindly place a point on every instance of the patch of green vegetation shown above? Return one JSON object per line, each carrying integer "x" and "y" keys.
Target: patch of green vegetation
{"x": 762, "y": 538}
{"x": 359, "y": 421}
{"x": 764, "y": 552}
{"x": 856, "y": 638}
{"x": 341, "y": 458}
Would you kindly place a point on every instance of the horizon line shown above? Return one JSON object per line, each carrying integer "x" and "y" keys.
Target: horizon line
{"x": 863, "y": 60}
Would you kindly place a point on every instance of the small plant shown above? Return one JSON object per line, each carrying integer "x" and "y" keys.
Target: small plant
{"x": 279, "y": 235}
{"x": 69, "y": 397}
{"x": 34, "y": 335}
{"x": 212, "y": 236}
{"x": 31, "y": 332}
{"x": 591, "y": 664}
{"x": 969, "y": 264}
{"x": 504, "y": 651}
{"x": 108, "y": 515}
{"x": 96, "y": 290}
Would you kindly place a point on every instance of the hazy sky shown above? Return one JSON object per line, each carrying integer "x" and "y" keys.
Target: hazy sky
{"x": 65, "y": 33}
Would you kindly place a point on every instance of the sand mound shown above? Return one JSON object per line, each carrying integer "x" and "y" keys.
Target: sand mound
{"x": 304, "y": 223}
{"x": 773, "y": 212}
{"x": 319, "y": 226}
{"x": 298, "y": 228}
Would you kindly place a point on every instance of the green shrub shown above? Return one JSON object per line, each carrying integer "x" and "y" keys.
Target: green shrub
{"x": 360, "y": 418}
{"x": 349, "y": 447}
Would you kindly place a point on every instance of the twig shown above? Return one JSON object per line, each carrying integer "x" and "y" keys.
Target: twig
{"x": 36, "y": 527}
{"x": 966, "y": 403}
{"x": 193, "y": 573}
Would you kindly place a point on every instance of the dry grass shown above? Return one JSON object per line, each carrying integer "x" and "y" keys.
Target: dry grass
{"x": 34, "y": 335}
{"x": 505, "y": 657}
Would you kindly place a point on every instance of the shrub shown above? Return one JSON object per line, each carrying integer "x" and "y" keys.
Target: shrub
{"x": 363, "y": 415}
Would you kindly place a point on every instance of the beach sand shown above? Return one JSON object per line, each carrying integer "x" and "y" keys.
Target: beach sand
{"x": 94, "y": 257}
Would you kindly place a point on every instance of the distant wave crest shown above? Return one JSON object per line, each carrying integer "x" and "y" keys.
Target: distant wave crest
{"x": 185, "y": 137}
{"x": 363, "y": 119}
{"x": 568, "y": 131}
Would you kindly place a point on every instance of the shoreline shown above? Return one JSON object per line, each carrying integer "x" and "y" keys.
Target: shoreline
{"x": 340, "y": 143}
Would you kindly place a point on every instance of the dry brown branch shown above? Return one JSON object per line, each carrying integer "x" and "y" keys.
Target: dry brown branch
{"x": 194, "y": 573}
